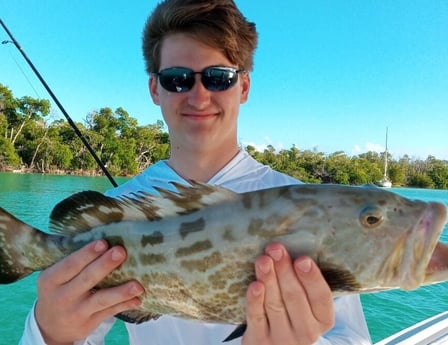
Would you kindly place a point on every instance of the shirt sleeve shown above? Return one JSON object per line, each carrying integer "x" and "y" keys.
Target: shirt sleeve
{"x": 33, "y": 336}
{"x": 98, "y": 335}
{"x": 350, "y": 325}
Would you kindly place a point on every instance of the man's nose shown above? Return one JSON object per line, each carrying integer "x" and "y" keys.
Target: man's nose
{"x": 198, "y": 96}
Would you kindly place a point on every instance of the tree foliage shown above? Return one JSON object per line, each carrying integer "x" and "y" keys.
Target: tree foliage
{"x": 367, "y": 168}
{"x": 31, "y": 140}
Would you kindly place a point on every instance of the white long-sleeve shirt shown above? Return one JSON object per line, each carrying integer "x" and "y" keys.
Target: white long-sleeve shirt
{"x": 242, "y": 174}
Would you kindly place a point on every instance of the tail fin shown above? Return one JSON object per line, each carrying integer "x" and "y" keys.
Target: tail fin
{"x": 16, "y": 238}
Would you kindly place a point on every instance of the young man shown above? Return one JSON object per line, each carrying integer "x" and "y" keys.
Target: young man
{"x": 199, "y": 54}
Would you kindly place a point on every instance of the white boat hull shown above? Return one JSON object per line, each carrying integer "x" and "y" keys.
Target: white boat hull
{"x": 385, "y": 184}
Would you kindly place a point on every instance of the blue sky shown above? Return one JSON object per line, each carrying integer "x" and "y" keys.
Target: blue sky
{"x": 329, "y": 75}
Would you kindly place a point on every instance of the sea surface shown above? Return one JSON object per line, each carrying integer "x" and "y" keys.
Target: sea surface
{"x": 32, "y": 197}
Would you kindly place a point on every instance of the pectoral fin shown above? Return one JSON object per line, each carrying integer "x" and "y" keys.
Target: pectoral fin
{"x": 340, "y": 280}
{"x": 136, "y": 316}
{"x": 238, "y": 332}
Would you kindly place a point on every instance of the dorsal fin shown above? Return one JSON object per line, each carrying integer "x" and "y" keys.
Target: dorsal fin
{"x": 197, "y": 195}
{"x": 86, "y": 210}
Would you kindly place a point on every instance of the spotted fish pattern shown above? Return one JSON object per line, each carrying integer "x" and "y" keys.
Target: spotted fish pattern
{"x": 194, "y": 249}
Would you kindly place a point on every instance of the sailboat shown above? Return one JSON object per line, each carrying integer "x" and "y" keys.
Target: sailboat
{"x": 385, "y": 182}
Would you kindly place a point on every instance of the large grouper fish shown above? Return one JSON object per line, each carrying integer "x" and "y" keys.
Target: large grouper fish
{"x": 193, "y": 249}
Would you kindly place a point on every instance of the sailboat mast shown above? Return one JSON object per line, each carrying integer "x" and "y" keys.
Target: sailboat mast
{"x": 385, "y": 156}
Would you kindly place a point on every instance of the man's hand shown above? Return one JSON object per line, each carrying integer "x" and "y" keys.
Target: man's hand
{"x": 66, "y": 309}
{"x": 290, "y": 303}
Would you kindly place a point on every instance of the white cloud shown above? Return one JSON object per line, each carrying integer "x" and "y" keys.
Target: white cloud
{"x": 258, "y": 147}
{"x": 261, "y": 147}
{"x": 375, "y": 147}
{"x": 357, "y": 149}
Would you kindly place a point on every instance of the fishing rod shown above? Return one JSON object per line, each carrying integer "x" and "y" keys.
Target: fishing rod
{"x": 69, "y": 120}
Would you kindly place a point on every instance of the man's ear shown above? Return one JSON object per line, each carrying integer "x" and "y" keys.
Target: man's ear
{"x": 245, "y": 87}
{"x": 153, "y": 90}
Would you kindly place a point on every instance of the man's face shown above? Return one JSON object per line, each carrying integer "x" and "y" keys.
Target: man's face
{"x": 198, "y": 119}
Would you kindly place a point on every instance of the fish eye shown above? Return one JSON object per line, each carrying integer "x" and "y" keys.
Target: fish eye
{"x": 371, "y": 217}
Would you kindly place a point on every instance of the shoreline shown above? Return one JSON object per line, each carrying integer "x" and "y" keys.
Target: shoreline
{"x": 86, "y": 173}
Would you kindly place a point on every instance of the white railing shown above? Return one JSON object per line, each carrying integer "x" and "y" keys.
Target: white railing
{"x": 432, "y": 331}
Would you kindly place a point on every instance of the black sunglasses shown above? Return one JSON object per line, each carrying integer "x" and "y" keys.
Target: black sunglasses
{"x": 182, "y": 79}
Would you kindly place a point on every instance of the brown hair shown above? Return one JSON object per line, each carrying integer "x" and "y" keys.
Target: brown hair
{"x": 217, "y": 23}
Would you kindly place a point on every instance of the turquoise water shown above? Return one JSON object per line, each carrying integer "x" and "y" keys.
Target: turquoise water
{"x": 32, "y": 197}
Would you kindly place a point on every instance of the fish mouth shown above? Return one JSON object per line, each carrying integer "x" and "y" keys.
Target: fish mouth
{"x": 437, "y": 269}
{"x": 418, "y": 258}
{"x": 429, "y": 263}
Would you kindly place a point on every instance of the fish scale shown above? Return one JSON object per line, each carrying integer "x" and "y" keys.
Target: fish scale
{"x": 193, "y": 250}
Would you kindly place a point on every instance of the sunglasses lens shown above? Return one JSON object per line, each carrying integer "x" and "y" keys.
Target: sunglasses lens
{"x": 219, "y": 78}
{"x": 180, "y": 79}
{"x": 176, "y": 79}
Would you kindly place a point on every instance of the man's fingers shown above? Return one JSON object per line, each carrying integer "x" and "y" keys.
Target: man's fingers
{"x": 66, "y": 308}
{"x": 293, "y": 294}
{"x": 257, "y": 324}
{"x": 64, "y": 270}
{"x": 111, "y": 301}
{"x": 290, "y": 303}
{"x": 275, "y": 309}
{"x": 94, "y": 272}
{"x": 318, "y": 293}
